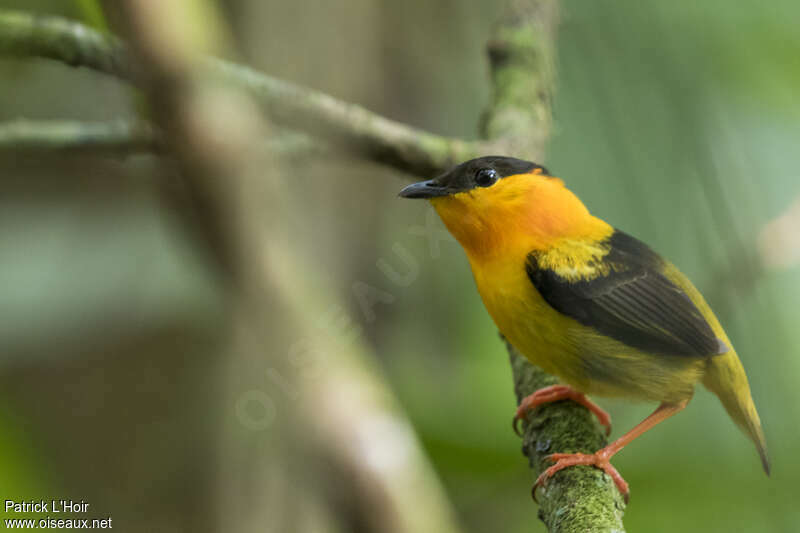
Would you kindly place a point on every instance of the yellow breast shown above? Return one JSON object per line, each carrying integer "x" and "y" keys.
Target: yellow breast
{"x": 536, "y": 329}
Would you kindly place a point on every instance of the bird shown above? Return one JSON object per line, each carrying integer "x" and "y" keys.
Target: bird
{"x": 586, "y": 302}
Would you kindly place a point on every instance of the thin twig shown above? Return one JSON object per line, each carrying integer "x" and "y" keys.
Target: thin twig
{"x": 127, "y": 137}
{"x": 119, "y": 136}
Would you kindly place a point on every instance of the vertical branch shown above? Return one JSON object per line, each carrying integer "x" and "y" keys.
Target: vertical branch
{"x": 522, "y": 56}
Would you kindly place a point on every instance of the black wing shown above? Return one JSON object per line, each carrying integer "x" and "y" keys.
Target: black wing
{"x": 633, "y": 303}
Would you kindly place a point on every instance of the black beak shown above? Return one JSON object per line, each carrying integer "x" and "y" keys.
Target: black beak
{"x": 424, "y": 189}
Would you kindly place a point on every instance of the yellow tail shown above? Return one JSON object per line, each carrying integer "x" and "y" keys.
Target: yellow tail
{"x": 725, "y": 377}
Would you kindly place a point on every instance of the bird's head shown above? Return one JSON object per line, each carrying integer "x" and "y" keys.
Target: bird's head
{"x": 493, "y": 202}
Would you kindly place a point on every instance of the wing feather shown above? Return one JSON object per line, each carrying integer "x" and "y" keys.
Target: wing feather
{"x": 632, "y": 301}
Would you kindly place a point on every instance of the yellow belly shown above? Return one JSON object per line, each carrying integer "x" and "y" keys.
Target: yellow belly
{"x": 578, "y": 355}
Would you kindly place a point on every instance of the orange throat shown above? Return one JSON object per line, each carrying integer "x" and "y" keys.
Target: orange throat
{"x": 517, "y": 215}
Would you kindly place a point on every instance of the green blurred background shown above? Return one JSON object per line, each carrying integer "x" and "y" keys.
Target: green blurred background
{"x": 675, "y": 121}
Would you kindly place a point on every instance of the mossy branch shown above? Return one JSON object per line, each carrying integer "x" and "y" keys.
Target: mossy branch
{"x": 348, "y": 126}
{"x": 580, "y": 498}
{"x": 575, "y": 499}
{"x": 516, "y": 123}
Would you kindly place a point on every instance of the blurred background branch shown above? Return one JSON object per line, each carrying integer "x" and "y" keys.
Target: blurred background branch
{"x": 119, "y": 136}
{"x": 319, "y": 455}
{"x": 779, "y": 240}
{"x": 127, "y": 137}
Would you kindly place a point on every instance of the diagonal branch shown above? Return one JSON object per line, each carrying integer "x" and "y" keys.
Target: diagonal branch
{"x": 348, "y": 125}
{"x": 321, "y": 463}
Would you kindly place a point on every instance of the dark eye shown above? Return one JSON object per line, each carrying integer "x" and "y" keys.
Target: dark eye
{"x": 486, "y": 177}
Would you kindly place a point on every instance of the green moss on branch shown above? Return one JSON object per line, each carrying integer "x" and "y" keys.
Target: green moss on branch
{"x": 582, "y": 498}
{"x": 575, "y": 499}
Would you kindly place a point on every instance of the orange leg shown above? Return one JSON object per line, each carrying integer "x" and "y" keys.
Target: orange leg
{"x": 601, "y": 458}
{"x": 555, "y": 393}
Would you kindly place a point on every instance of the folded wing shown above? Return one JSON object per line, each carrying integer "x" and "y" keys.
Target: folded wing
{"x": 630, "y": 300}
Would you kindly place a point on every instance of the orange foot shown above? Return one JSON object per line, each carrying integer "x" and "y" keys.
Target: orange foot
{"x": 555, "y": 393}
{"x": 599, "y": 459}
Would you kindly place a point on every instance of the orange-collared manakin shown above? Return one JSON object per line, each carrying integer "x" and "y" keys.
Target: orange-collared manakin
{"x": 585, "y": 301}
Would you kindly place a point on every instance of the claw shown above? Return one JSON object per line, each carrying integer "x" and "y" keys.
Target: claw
{"x": 522, "y": 410}
{"x": 515, "y": 425}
